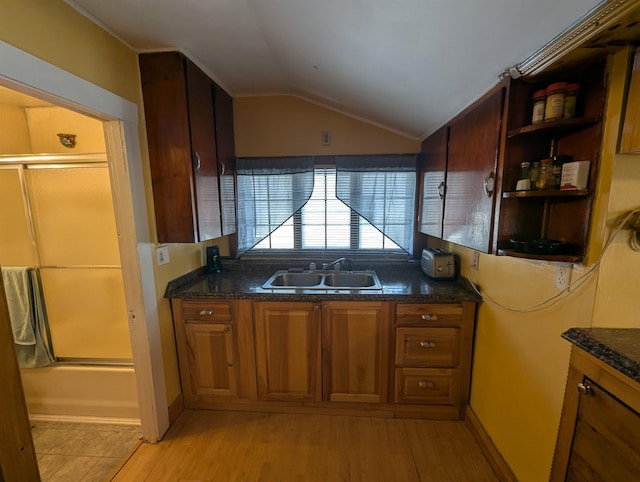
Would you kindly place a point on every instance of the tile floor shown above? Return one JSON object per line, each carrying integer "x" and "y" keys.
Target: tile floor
{"x": 87, "y": 452}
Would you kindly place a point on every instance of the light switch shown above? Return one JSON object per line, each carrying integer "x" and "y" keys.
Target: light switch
{"x": 162, "y": 255}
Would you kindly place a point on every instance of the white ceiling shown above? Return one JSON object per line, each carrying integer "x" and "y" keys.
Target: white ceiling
{"x": 407, "y": 65}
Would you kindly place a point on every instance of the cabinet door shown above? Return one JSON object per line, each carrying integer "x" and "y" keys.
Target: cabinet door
{"x": 178, "y": 106}
{"x": 432, "y": 189}
{"x": 226, "y": 158}
{"x": 287, "y": 337}
{"x": 355, "y": 347}
{"x": 606, "y": 440}
{"x": 474, "y": 140}
{"x": 211, "y": 360}
{"x": 203, "y": 151}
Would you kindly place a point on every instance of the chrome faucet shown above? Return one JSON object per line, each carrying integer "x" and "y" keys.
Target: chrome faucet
{"x": 336, "y": 263}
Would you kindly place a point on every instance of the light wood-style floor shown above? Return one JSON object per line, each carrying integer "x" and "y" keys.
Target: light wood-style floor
{"x": 244, "y": 447}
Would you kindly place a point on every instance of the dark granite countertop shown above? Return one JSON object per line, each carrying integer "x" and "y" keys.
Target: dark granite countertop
{"x": 244, "y": 279}
{"x": 617, "y": 347}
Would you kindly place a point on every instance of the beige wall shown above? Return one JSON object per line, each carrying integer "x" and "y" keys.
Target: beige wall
{"x": 290, "y": 126}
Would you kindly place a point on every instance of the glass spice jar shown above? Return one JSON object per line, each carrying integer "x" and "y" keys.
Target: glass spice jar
{"x": 539, "y": 101}
{"x": 546, "y": 179}
{"x": 554, "y": 106}
{"x": 533, "y": 173}
{"x": 570, "y": 98}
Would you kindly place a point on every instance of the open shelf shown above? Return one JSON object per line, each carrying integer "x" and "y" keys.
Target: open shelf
{"x": 557, "y": 128}
{"x": 555, "y": 193}
{"x": 561, "y": 258}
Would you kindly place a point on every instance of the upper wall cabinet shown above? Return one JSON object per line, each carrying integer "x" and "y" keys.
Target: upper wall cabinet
{"x": 630, "y": 138}
{"x": 434, "y": 168}
{"x": 459, "y": 175}
{"x": 223, "y": 104}
{"x": 550, "y": 223}
{"x": 485, "y": 209}
{"x": 182, "y": 136}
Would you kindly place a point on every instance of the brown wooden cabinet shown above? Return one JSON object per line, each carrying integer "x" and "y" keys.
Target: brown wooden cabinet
{"x": 433, "y": 344}
{"x": 182, "y": 137}
{"x": 472, "y": 164}
{"x": 599, "y": 435}
{"x": 433, "y": 182}
{"x": 207, "y": 350}
{"x": 287, "y": 339}
{"x": 226, "y": 150}
{"x": 555, "y": 215}
{"x": 630, "y": 137}
{"x": 487, "y": 144}
{"x": 355, "y": 351}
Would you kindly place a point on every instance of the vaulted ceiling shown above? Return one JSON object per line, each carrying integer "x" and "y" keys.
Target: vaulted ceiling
{"x": 407, "y": 65}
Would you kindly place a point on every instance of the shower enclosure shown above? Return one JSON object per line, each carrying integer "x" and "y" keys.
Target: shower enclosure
{"x": 57, "y": 215}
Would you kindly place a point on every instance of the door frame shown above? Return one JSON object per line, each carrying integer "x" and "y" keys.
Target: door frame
{"x": 28, "y": 74}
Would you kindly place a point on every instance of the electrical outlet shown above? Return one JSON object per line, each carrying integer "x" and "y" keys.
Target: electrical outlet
{"x": 476, "y": 260}
{"x": 563, "y": 277}
{"x": 162, "y": 255}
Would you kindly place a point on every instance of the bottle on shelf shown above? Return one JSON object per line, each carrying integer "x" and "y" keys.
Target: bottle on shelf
{"x": 534, "y": 172}
{"x": 546, "y": 179}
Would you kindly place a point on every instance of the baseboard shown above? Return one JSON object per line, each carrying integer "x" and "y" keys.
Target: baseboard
{"x": 176, "y": 408}
{"x": 37, "y": 417}
{"x": 491, "y": 452}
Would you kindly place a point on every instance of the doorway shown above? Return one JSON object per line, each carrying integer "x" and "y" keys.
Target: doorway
{"x": 29, "y": 75}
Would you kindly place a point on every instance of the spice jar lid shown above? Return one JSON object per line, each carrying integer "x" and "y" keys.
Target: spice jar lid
{"x": 539, "y": 93}
{"x": 556, "y": 86}
{"x": 573, "y": 87}
{"x": 545, "y": 161}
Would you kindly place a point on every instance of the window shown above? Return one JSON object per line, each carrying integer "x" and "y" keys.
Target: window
{"x": 326, "y": 223}
{"x": 363, "y": 203}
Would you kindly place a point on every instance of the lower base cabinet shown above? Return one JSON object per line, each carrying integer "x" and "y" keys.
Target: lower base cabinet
{"x": 287, "y": 340}
{"x": 599, "y": 435}
{"x": 379, "y": 357}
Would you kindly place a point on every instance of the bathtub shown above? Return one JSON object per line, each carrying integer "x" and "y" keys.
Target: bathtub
{"x": 70, "y": 391}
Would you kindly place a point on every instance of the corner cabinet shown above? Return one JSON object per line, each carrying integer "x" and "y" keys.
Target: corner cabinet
{"x": 553, "y": 215}
{"x": 485, "y": 147}
{"x": 182, "y": 138}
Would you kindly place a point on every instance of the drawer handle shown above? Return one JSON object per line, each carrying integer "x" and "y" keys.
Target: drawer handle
{"x": 425, "y": 384}
{"x": 205, "y": 312}
{"x": 427, "y": 344}
{"x": 429, "y": 316}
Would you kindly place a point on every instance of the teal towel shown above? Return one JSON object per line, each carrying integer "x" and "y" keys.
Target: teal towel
{"x": 28, "y": 313}
{"x": 17, "y": 287}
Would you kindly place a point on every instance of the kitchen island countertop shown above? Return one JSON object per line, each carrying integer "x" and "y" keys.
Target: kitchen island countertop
{"x": 239, "y": 279}
{"x": 617, "y": 347}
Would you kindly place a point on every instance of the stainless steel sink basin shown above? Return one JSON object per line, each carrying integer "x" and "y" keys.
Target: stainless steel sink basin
{"x": 353, "y": 280}
{"x": 324, "y": 280}
{"x": 296, "y": 279}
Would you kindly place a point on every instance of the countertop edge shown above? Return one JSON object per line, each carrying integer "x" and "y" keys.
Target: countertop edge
{"x": 586, "y": 339}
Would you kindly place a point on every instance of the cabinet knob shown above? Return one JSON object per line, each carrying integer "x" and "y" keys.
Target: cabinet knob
{"x": 441, "y": 190}
{"x": 489, "y": 184}
{"x": 205, "y": 312}
{"x": 196, "y": 159}
{"x": 425, "y": 384}
{"x": 429, "y": 316}
{"x": 427, "y": 344}
{"x": 585, "y": 388}
{"x": 223, "y": 168}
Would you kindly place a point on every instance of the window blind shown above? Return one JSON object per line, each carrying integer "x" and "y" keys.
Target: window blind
{"x": 382, "y": 190}
{"x": 270, "y": 191}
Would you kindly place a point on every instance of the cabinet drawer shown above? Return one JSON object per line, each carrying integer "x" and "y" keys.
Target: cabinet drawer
{"x": 211, "y": 311}
{"x": 427, "y": 347}
{"x": 428, "y": 314}
{"x": 438, "y": 386}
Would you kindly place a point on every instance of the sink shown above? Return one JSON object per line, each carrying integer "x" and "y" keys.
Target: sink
{"x": 352, "y": 280}
{"x": 324, "y": 280}
{"x": 287, "y": 279}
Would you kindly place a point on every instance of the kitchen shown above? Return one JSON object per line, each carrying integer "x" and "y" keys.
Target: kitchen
{"x": 517, "y": 391}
